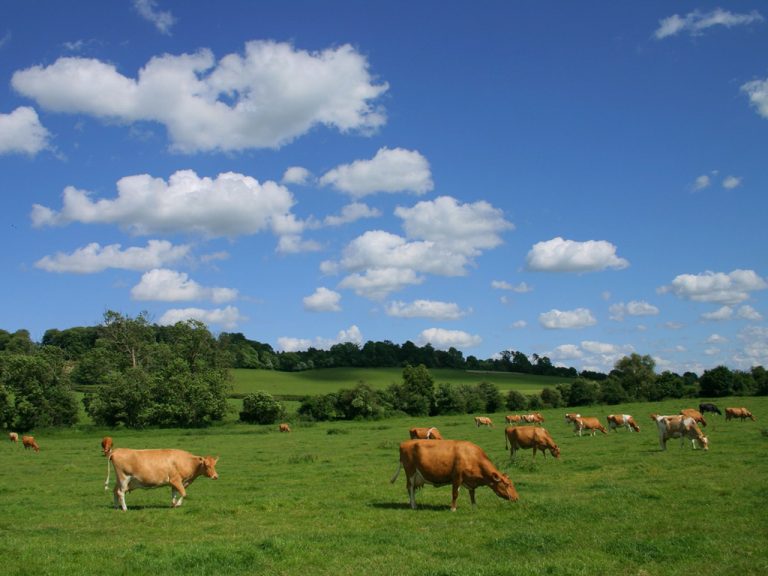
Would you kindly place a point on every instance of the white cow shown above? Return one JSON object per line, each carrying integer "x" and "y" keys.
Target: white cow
{"x": 680, "y": 427}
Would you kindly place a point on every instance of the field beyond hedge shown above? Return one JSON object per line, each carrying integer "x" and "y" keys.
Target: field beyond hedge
{"x": 319, "y": 501}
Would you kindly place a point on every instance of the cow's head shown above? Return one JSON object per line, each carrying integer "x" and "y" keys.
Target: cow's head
{"x": 208, "y": 464}
{"x": 555, "y": 451}
{"x": 704, "y": 441}
{"x": 502, "y": 485}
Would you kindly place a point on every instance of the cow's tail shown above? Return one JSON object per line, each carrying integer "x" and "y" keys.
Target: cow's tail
{"x": 106, "y": 482}
{"x": 397, "y": 472}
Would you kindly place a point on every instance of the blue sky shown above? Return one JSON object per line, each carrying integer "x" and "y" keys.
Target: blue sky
{"x": 581, "y": 180}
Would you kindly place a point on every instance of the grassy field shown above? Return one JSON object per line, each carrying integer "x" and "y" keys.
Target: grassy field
{"x": 319, "y": 501}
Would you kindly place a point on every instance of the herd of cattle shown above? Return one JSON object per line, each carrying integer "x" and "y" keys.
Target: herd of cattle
{"x": 427, "y": 458}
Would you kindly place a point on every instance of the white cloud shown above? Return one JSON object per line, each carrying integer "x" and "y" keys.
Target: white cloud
{"x": 716, "y": 339}
{"x": 722, "y": 313}
{"x": 518, "y": 324}
{"x": 633, "y": 308}
{"x": 323, "y": 300}
{"x": 731, "y": 288}
{"x": 162, "y": 20}
{"x": 566, "y": 352}
{"x": 395, "y": 170}
{"x": 702, "y": 182}
{"x": 22, "y": 132}
{"x": 443, "y": 339}
{"x": 263, "y": 99}
{"x": 425, "y": 309}
{"x": 229, "y": 205}
{"x": 378, "y": 283}
{"x": 731, "y": 182}
{"x": 520, "y": 288}
{"x": 290, "y": 344}
{"x": 559, "y": 255}
{"x": 351, "y": 213}
{"x": 757, "y": 90}
{"x": 228, "y": 318}
{"x": 297, "y": 175}
{"x": 96, "y": 258}
{"x": 694, "y": 23}
{"x": 294, "y": 244}
{"x": 171, "y": 286}
{"x": 746, "y": 312}
{"x": 755, "y": 347}
{"x": 557, "y": 319}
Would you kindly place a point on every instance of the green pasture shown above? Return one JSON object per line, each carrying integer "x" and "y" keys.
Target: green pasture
{"x": 319, "y": 501}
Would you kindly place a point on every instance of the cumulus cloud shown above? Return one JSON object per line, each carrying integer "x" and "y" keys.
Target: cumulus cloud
{"x": 696, "y": 22}
{"x": 757, "y": 90}
{"x": 731, "y": 182}
{"x": 229, "y": 205}
{"x": 22, "y": 132}
{"x": 294, "y": 244}
{"x": 559, "y": 255}
{"x": 172, "y": 286}
{"x": 351, "y": 213}
{"x": 323, "y": 300}
{"x": 558, "y": 319}
{"x": 162, "y": 20}
{"x": 290, "y": 344}
{"x": 228, "y": 318}
{"x": 719, "y": 287}
{"x": 520, "y": 288}
{"x": 297, "y": 175}
{"x": 601, "y": 356}
{"x": 264, "y": 98}
{"x": 96, "y": 258}
{"x": 443, "y": 339}
{"x": 633, "y": 308}
{"x": 746, "y": 312}
{"x": 395, "y": 170}
{"x": 722, "y": 313}
{"x": 425, "y": 309}
{"x": 702, "y": 182}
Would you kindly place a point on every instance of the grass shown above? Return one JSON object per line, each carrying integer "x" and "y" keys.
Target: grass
{"x": 319, "y": 501}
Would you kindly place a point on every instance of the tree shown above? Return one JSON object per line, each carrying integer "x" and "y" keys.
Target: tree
{"x": 261, "y": 408}
{"x": 449, "y": 400}
{"x": 636, "y": 375}
{"x": 716, "y": 382}
{"x": 416, "y": 395}
{"x": 130, "y": 337}
{"x": 583, "y": 393}
{"x": 491, "y": 396}
{"x": 516, "y": 400}
{"x": 551, "y": 398}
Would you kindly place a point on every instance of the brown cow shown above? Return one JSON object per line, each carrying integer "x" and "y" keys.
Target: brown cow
{"x": 106, "y": 445}
{"x": 513, "y": 418}
{"x": 154, "y": 468}
{"x": 284, "y": 427}
{"x": 483, "y": 421}
{"x": 29, "y": 442}
{"x": 455, "y": 462}
{"x": 535, "y": 418}
{"x": 530, "y": 437}
{"x": 625, "y": 420}
{"x": 571, "y": 417}
{"x": 425, "y": 434}
{"x": 741, "y": 413}
{"x": 680, "y": 427}
{"x": 13, "y": 436}
{"x": 695, "y": 414}
{"x": 589, "y": 423}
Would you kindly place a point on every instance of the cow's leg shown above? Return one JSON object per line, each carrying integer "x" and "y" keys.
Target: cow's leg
{"x": 472, "y": 498}
{"x": 177, "y": 490}
{"x": 455, "y": 494}
{"x": 121, "y": 487}
{"x": 410, "y": 484}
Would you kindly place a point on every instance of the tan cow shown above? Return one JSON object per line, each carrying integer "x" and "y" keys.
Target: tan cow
{"x": 589, "y": 423}
{"x": 425, "y": 434}
{"x": 29, "y": 442}
{"x": 106, "y": 445}
{"x": 681, "y": 427}
{"x": 622, "y": 420}
{"x": 535, "y": 437}
{"x": 455, "y": 462}
{"x": 571, "y": 417}
{"x": 154, "y": 468}
{"x": 13, "y": 436}
{"x": 513, "y": 418}
{"x": 535, "y": 418}
{"x": 741, "y": 413}
{"x": 695, "y": 414}
{"x": 483, "y": 421}
{"x": 284, "y": 427}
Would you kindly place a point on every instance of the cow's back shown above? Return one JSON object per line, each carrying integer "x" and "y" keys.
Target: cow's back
{"x": 150, "y": 467}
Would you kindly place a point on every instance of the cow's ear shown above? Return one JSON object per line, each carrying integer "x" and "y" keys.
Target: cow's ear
{"x": 215, "y": 460}
{"x": 496, "y": 477}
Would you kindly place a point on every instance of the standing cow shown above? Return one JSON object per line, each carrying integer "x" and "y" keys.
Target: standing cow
{"x": 29, "y": 442}
{"x": 741, "y": 413}
{"x": 284, "y": 427}
{"x": 154, "y": 468}
{"x": 13, "y": 437}
{"x": 709, "y": 407}
{"x": 588, "y": 423}
{"x": 425, "y": 434}
{"x": 695, "y": 414}
{"x": 681, "y": 427}
{"x": 535, "y": 437}
{"x": 622, "y": 420}
{"x": 455, "y": 462}
{"x": 483, "y": 421}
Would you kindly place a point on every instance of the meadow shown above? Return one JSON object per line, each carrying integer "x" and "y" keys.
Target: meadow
{"x": 319, "y": 501}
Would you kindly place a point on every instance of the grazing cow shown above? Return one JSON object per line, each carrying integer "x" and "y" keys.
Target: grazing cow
{"x": 425, "y": 434}
{"x": 513, "y": 418}
{"x": 534, "y": 418}
{"x": 13, "y": 436}
{"x": 154, "y": 468}
{"x": 709, "y": 407}
{"x": 592, "y": 425}
{"x": 534, "y": 437}
{"x": 284, "y": 427}
{"x": 571, "y": 417}
{"x": 106, "y": 445}
{"x": 483, "y": 421}
{"x": 29, "y": 442}
{"x": 455, "y": 462}
{"x": 695, "y": 414}
{"x": 681, "y": 427}
{"x": 741, "y": 413}
{"x": 625, "y": 420}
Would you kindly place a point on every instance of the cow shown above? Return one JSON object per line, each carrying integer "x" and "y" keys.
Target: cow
{"x": 571, "y": 417}
{"x": 154, "y": 468}
{"x": 617, "y": 420}
{"x": 581, "y": 423}
{"x": 695, "y": 414}
{"x": 13, "y": 436}
{"x": 425, "y": 434}
{"x": 534, "y": 418}
{"x": 29, "y": 442}
{"x": 284, "y": 427}
{"x": 741, "y": 413}
{"x": 709, "y": 407}
{"x": 534, "y": 437}
{"x": 455, "y": 462}
{"x": 681, "y": 427}
{"x": 106, "y": 445}
{"x": 483, "y": 421}
{"x": 513, "y": 418}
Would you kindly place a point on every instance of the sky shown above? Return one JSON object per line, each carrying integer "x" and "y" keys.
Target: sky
{"x": 577, "y": 180}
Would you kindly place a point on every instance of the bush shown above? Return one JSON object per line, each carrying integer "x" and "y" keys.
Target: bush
{"x": 261, "y": 408}
{"x": 516, "y": 400}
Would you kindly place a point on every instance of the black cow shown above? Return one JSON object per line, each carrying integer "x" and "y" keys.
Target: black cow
{"x": 709, "y": 407}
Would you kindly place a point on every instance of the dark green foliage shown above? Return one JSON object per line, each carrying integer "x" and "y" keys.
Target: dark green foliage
{"x": 716, "y": 382}
{"x": 551, "y": 398}
{"x": 261, "y": 408}
{"x": 491, "y": 397}
{"x": 361, "y": 402}
{"x": 416, "y": 395}
{"x": 320, "y": 408}
{"x": 516, "y": 400}
{"x": 611, "y": 391}
{"x": 582, "y": 393}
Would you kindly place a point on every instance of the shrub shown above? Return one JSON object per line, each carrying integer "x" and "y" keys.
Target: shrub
{"x": 516, "y": 400}
{"x": 261, "y": 408}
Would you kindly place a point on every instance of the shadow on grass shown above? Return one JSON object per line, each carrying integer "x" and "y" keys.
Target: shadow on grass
{"x": 407, "y": 506}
